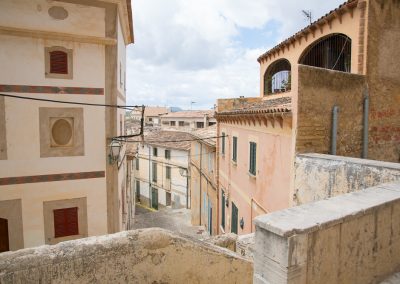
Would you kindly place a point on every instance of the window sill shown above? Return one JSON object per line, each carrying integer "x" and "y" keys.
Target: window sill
{"x": 234, "y": 163}
{"x": 251, "y": 175}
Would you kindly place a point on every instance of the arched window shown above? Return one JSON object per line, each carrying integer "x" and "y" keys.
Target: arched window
{"x": 331, "y": 52}
{"x": 277, "y": 78}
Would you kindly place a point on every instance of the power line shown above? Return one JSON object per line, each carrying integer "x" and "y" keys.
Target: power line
{"x": 166, "y": 141}
{"x": 179, "y": 156}
{"x": 72, "y": 103}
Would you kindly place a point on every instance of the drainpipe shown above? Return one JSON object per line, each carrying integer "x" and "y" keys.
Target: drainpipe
{"x": 365, "y": 125}
{"x": 335, "y": 111}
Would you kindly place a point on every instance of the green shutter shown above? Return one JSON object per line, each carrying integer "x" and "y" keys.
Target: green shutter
{"x": 234, "y": 154}
{"x": 253, "y": 157}
{"x": 223, "y": 143}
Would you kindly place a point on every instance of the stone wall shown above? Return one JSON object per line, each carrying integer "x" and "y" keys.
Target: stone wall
{"x": 318, "y": 92}
{"x": 383, "y": 61}
{"x": 141, "y": 256}
{"x": 352, "y": 238}
{"x": 320, "y": 176}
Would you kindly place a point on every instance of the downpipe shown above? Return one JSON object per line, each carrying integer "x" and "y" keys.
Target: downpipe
{"x": 335, "y": 113}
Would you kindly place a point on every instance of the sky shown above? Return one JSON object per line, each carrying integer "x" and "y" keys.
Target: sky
{"x": 201, "y": 50}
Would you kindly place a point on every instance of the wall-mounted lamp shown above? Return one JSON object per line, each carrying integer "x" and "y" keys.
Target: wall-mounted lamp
{"x": 241, "y": 223}
{"x": 115, "y": 149}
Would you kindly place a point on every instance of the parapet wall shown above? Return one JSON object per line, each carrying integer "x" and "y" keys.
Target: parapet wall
{"x": 353, "y": 238}
{"x": 141, "y": 256}
{"x": 321, "y": 176}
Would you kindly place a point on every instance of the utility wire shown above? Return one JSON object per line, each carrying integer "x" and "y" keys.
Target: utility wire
{"x": 179, "y": 156}
{"x": 166, "y": 141}
{"x": 72, "y": 103}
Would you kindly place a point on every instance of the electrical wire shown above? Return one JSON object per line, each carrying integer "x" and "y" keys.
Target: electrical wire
{"x": 72, "y": 103}
{"x": 168, "y": 141}
{"x": 180, "y": 156}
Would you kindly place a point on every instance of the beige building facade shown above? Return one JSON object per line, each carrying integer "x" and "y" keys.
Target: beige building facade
{"x": 331, "y": 88}
{"x": 188, "y": 120}
{"x": 55, "y": 174}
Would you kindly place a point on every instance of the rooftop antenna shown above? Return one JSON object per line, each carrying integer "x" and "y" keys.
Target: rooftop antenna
{"x": 308, "y": 15}
{"x": 191, "y": 105}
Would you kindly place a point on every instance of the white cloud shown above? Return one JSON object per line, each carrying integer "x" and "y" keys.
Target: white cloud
{"x": 185, "y": 50}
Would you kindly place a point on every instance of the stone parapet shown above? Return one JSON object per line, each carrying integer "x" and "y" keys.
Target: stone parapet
{"x": 352, "y": 238}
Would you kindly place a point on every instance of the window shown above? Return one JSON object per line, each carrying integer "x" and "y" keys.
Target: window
{"x": 172, "y": 123}
{"x": 167, "y": 154}
{"x": 66, "y": 222}
{"x": 211, "y": 123}
{"x": 154, "y": 172}
{"x": 150, "y": 119}
{"x": 200, "y": 124}
{"x": 181, "y": 123}
{"x": 235, "y": 219}
{"x": 253, "y": 158}
{"x": 168, "y": 172}
{"x": 277, "y": 78}
{"x": 155, "y": 152}
{"x": 137, "y": 190}
{"x": 234, "y": 149}
{"x": 137, "y": 164}
{"x": 58, "y": 62}
{"x": 223, "y": 144}
{"x": 223, "y": 209}
{"x": 331, "y": 52}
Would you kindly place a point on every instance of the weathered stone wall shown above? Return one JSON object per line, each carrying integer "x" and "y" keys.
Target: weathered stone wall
{"x": 320, "y": 176}
{"x": 141, "y": 256}
{"x": 383, "y": 73}
{"x": 318, "y": 92}
{"x": 352, "y": 238}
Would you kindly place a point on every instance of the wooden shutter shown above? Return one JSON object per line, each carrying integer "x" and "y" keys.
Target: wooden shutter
{"x": 234, "y": 155}
{"x": 58, "y": 62}
{"x": 223, "y": 143}
{"x": 4, "y": 241}
{"x": 253, "y": 151}
{"x": 223, "y": 210}
{"x": 66, "y": 222}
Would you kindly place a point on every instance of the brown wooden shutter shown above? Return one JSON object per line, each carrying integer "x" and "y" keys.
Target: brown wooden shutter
{"x": 58, "y": 62}
{"x": 4, "y": 241}
{"x": 66, "y": 222}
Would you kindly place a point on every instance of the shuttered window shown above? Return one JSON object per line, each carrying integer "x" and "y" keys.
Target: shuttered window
{"x": 168, "y": 172}
{"x": 253, "y": 158}
{"x": 167, "y": 154}
{"x": 154, "y": 172}
{"x": 223, "y": 144}
{"x": 66, "y": 222}
{"x": 223, "y": 210}
{"x": 234, "y": 149}
{"x": 155, "y": 152}
{"x": 58, "y": 62}
{"x": 137, "y": 164}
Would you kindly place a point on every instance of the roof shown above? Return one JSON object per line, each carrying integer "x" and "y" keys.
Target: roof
{"x": 129, "y": 7}
{"x": 203, "y": 133}
{"x": 346, "y": 6}
{"x": 190, "y": 114}
{"x": 155, "y": 111}
{"x": 278, "y": 105}
{"x": 170, "y": 139}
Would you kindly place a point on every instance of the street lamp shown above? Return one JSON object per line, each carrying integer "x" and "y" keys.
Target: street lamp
{"x": 115, "y": 149}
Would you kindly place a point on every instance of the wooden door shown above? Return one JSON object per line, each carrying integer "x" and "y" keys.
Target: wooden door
{"x": 154, "y": 198}
{"x": 235, "y": 213}
{"x": 4, "y": 241}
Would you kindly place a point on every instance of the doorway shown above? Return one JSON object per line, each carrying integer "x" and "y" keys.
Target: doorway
{"x": 4, "y": 241}
{"x": 154, "y": 198}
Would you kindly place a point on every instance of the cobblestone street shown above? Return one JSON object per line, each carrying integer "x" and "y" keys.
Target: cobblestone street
{"x": 175, "y": 220}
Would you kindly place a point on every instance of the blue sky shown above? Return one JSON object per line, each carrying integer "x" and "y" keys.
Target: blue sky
{"x": 200, "y": 51}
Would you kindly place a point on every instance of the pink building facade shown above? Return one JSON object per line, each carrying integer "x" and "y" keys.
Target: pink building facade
{"x": 330, "y": 88}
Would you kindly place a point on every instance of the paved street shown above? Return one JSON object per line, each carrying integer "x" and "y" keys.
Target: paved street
{"x": 176, "y": 220}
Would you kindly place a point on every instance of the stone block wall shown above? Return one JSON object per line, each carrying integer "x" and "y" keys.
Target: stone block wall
{"x": 383, "y": 73}
{"x": 352, "y": 238}
{"x": 320, "y": 176}
{"x": 141, "y": 256}
{"x": 318, "y": 92}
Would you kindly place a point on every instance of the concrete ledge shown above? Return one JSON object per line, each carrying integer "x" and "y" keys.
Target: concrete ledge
{"x": 321, "y": 214}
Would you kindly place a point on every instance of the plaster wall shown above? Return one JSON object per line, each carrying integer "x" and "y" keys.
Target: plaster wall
{"x": 352, "y": 238}
{"x": 33, "y": 195}
{"x": 141, "y": 256}
{"x": 323, "y": 176}
{"x": 33, "y": 14}
{"x": 270, "y": 187}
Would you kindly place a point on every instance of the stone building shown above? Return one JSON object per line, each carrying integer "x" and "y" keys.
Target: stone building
{"x": 151, "y": 115}
{"x": 332, "y": 88}
{"x": 203, "y": 179}
{"x": 161, "y": 170}
{"x": 188, "y": 120}
{"x": 56, "y": 179}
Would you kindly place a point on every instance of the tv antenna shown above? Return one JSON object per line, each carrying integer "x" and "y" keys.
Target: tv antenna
{"x": 308, "y": 15}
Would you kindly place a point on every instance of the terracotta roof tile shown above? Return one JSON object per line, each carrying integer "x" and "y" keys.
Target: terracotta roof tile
{"x": 278, "y": 105}
{"x": 189, "y": 114}
{"x": 202, "y": 133}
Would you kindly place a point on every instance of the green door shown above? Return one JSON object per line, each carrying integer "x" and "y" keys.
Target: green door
{"x": 154, "y": 198}
{"x": 234, "y": 225}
